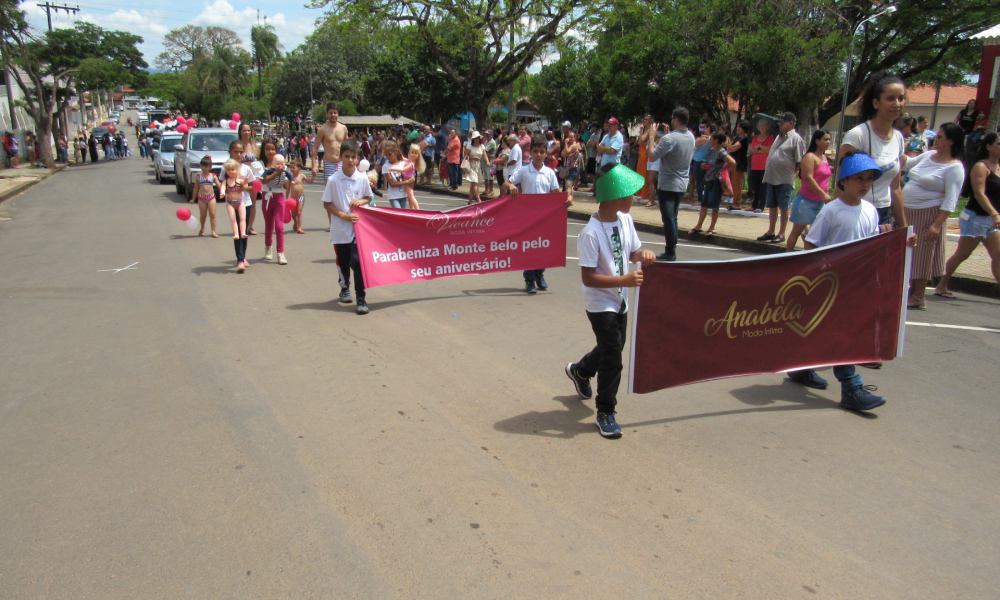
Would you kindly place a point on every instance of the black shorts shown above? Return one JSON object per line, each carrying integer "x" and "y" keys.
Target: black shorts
{"x": 319, "y": 155}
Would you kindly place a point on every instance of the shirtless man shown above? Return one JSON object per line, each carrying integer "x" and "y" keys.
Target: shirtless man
{"x": 330, "y": 136}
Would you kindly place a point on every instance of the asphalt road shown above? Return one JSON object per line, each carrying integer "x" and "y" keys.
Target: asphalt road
{"x": 176, "y": 430}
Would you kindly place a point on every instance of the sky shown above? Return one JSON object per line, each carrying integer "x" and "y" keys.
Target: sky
{"x": 291, "y": 20}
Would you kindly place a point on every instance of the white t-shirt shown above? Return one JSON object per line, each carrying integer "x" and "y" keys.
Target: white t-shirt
{"x": 247, "y": 173}
{"x": 838, "y": 222}
{"x": 341, "y": 189}
{"x": 594, "y": 245}
{"x": 887, "y": 157}
{"x": 394, "y": 193}
{"x": 932, "y": 184}
{"x": 515, "y": 156}
{"x": 535, "y": 181}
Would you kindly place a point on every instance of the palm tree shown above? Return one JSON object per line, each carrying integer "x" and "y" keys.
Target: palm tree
{"x": 266, "y": 50}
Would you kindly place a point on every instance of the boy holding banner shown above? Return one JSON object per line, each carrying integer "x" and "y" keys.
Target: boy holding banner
{"x": 346, "y": 189}
{"x": 606, "y": 246}
{"x": 846, "y": 219}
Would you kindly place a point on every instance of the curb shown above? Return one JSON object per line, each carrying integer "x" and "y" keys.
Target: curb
{"x": 976, "y": 286}
{"x": 26, "y": 185}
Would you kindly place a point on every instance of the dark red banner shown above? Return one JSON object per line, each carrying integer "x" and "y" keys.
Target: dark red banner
{"x": 506, "y": 234}
{"x": 700, "y": 321}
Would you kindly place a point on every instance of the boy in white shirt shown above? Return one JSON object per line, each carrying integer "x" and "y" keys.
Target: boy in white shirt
{"x": 534, "y": 178}
{"x": 846, "y": 219}
{"x": 607, "y": 244}
{"x": 345, "y": 190}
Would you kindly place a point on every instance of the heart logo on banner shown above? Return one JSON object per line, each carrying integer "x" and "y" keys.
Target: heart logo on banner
{"x": 809, "y": 286}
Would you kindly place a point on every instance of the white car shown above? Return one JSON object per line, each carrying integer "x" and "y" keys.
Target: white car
{"x": 163, "y": 157}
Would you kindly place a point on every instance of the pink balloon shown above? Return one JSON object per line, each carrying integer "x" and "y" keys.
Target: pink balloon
{"x": 233, "y": 124}
{"x": 236, "y": 117}
{"x": 183, "y": 214}
{"x": 191, "y": 123}
{"x": 290, "y": 204}
{"x": 256, "y": 186}
{"x": 288, "y": 216}
{"x": 182, "y": 129}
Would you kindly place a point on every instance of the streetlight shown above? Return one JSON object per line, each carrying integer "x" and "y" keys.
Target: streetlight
{"x": 847, "y": 81}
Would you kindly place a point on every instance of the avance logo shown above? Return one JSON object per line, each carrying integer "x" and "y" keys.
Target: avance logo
{"x": 789, "y": 308}
{"x": 468, "y": 218}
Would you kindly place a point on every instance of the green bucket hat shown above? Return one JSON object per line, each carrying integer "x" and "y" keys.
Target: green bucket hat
{"x": 619, "y": 182}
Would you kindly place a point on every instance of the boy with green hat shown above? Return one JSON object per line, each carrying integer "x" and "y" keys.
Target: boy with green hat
{"x": 606, "y": 246}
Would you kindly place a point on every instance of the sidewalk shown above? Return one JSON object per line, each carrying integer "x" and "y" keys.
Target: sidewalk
{"x": 739, "y": 230}
{"x": 15, "y": 181}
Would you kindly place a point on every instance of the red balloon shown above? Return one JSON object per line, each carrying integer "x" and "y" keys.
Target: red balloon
{"x": 233, "y": 124}
{"x": 183, "y": 214}
{"x": 290, "y": 204}
{"x": 236, "y": 117}
{"x": 182, "y": 129}
{"x": 256, "y": 186}
{"x": 288, "y": 216}
{"x": 192, "y": 123}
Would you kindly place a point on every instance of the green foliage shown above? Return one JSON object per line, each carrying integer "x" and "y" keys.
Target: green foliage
{"x": 564, "y": 89}
{"x": 249, "y": 109}
{"x": 345, "y": 108}
{"x": 164, "y": 86}
{"x": 265, "y": 50}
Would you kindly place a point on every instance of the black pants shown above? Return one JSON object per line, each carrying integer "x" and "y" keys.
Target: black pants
{"x": 669, "y": 204}
{"x": 605, "y": 360}
{"x": 348, "y": 260}
{"x": 454, "y": 175}
{"x": 757, "y": 189}
{"x": 240, "y": 244}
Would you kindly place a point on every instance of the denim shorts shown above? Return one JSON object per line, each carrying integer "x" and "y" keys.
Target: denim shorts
{"x": 573, "y": 174}
{"x": 972, "y": 225}
{"x": 804, "y": 210}
{"x": 778, "y": 195}
{"x": 712, "y": 199}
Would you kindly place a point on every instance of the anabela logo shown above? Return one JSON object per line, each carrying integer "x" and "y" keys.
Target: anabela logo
{"x": 787, "y": 309}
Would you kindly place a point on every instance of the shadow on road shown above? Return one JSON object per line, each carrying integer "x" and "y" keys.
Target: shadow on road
{"x": 563, "y": 424}
{"x": 218, "y": 270}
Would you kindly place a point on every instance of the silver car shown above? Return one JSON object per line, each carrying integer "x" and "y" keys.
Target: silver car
{"x": 211, "y": 141}
{"x": 163, "y": 156}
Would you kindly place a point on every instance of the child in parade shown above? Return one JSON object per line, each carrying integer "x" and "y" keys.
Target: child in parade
{"x": 274, "y": 201}
{"x": 408, "y": 168}
{"x": 246, "y": 174}
{"x": 232, "y": 191}
{"x": 607, "y": 244}
{"x": 204, "y": 193}
{"x": 295, "y": 188}
{"x": 397, "y": 174}
{"x": 845, "y": 219}
{"x": 346, "y": 189}
{"x": 534, "y": 178}
{"x": 716, "y": 161}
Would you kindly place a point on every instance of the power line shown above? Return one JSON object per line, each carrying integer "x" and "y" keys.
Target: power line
{"x": 49, "y": 8}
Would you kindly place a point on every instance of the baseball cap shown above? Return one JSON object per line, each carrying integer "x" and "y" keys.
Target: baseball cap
{"x": 788, "y": 116}
{"x": 613, "y": 121}
{"x": 567, "y": 124}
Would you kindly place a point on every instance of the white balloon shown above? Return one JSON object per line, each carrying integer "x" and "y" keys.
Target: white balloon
{"x": 364, "y": 165}
{"x": 224, "y": 123}
{"x": 193, "y": 223}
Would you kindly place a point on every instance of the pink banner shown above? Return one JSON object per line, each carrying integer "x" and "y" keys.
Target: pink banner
{"x": 398, "y": 245}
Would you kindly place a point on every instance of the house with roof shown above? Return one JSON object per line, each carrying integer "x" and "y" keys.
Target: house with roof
{"x": 938, "y": 105}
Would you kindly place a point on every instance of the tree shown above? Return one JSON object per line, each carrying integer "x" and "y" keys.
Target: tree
{"x": 480, "y": 32}
{"x": 564, "y": 90}
{"x": 345, "y": 108}
{"x": 911, "y": 42}
{"x": 186, "y": 45}
{"x": 164, "y": 86}
{"x": 265, "y": 49}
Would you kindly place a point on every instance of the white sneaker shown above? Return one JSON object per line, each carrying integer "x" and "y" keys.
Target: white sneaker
{"x": 267, "y": 253}
{"x": 281, "y": 259}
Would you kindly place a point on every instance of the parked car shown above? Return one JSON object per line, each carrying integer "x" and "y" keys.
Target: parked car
{"x": 109, "y": 126}
{"x": 163, "y": 156}
{"x": 98, "y": 132}
{"x": 213, "y": 142}
{"x": 119, "y": 108}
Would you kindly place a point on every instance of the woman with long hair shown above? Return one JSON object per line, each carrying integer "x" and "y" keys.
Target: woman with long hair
{"x": 738, "y": 150}
{"x": 760, "y": 147}
{"x": 966, "y": 118}
{"x": 881, "y": 104}
{"x": 931, "y": 194}
{"x": 980, "y": 221}
{"x": 814, "y": 170}
{"x": 250, "y": 152}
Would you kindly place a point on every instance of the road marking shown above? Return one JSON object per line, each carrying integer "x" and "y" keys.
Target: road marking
{"x": 128, "y": 268}
{"x": 953, "y": 326}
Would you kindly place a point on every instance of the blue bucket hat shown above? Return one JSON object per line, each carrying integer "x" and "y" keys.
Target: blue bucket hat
{"x": 857, "y": 163}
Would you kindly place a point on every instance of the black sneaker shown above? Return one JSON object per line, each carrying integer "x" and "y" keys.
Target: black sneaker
{"x": 808, "y": 378}
{"x": 582, "y": 383}
{"x": 666, "y": 257}
{"x": 607, "y": 425}
{"x": 861, "y": 398}
{"x": 777, "y": 239}
{"x": 540, "y": 282}
{"x": 871, "y": 365}
{"x": 362, "y": 307}
{"x": 767, "y": 237}
{"x": 345, "y": 295}
{"x": 529, "y": 286}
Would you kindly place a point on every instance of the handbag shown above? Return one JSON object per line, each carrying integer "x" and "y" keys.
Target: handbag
{"x": 465, "y": 164}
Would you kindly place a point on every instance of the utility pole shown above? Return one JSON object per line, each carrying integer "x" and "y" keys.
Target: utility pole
{"x": 49, "y": 7}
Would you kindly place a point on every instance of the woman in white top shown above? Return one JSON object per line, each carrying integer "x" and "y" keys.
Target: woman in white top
{"x": 935, "y": 182}
{"x": 475, "y": 154}
{"x": 880, "y": 105}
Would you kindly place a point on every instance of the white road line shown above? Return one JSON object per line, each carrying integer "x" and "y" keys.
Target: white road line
{"x": 953, "y": 326}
